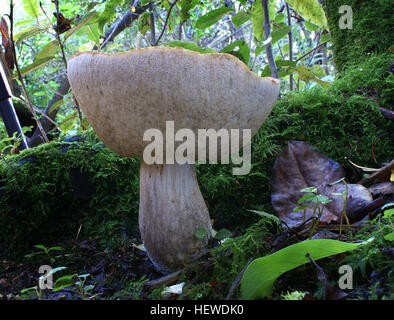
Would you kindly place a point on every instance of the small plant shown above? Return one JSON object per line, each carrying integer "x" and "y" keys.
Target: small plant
{"x": 43, "y": 250}
{"x": 319, "y": 202}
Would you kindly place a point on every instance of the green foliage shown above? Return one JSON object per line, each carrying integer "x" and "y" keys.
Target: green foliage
{"x": 373, "y": 27}
{"x": 212, "y": 17}
{"x": 47, "y": 192}
{"x": 259, "y": 277}
{"x": 229, "y": 259}
{"x": 310, "y": 10}
{"x": 32, "y": 8}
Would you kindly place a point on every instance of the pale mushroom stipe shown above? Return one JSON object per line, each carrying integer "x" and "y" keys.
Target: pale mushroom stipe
{"x": 126, "y": 94}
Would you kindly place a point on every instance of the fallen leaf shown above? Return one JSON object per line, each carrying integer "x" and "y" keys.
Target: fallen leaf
{"x": 299, "y": 166}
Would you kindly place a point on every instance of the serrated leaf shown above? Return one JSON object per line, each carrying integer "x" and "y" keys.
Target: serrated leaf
{"x": 212, "y": 17}
{"x": 188, "y": 45}
{"x": 279, "y": 33}
{"x": 49, "y": 50}
{"x": 240, "y": 18}
{"x": 306, "y": 74}
{"x": 34, "y": 66}
{"x": 310, "y": 10}
{"x": 260, "y": 275}
{"x": 31, "y": 8}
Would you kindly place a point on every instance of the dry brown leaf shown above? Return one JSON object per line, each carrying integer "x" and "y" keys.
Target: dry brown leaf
{"x": 300, "y": 166}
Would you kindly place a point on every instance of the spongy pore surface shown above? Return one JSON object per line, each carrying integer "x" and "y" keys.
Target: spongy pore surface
{"x": 125, "y": 94}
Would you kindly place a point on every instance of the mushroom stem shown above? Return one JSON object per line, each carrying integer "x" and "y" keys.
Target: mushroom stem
{"x": 171, "y": 210}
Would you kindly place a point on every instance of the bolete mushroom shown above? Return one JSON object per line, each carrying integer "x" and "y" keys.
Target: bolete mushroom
{"x": 125, "y": 94}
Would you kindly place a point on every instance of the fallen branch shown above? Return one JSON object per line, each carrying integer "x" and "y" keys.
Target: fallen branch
{"x": 383, "y": 171}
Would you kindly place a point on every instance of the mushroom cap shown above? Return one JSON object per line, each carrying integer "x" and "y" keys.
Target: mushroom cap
{"x": 125, "y": 94}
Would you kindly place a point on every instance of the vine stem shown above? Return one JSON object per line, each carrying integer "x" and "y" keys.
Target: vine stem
{"x": 166, "y": 22}
{"x": 267, "y": 31}
{"x": 39, "y": 126}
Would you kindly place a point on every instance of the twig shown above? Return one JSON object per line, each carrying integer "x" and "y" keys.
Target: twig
{"x": 377, "y": 174}
{"x": 309, "y": 52}
{"x": 165, "y": 23}
{"x": 39, "y": 126}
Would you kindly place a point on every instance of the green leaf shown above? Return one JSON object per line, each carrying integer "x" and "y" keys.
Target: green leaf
{"x": 64, "y": 282}
{"x": 243, "y": 53}
{"x": 144, "y": 23}
{"x": 188, "y": 45}
{"x": 49, "y": 50}
{"x": 389, "y": 237}
{"x": 42, "y": 247}
{"x": 325, "y": 38}
{"x": 201, "y": 233}
{"x": 279, "y": 33}
{"x": 145, "y": 2}
{"x": 27, "y": 33}
{"x": 240, "y": 18}
{"x": 311, "y": 26}
{"x": 37, "y": 64}
{"x": 212, "y": 17}
{"x": 260, "y": 275}
{"x": 258, "y": 20}
{"x": 186, "y": 6}
{"x": 223, "y": 234}
{"x": 69, "y": 122}
{"x": 306, "y": 74}
{"x": 279, "y": 18}
{"x": 83, "y": 22}
{"x": 310, "y": 10}
{"x": 266, "y": 215}
{"x": 108, "y": 14}
{"x": 31, "y": 8}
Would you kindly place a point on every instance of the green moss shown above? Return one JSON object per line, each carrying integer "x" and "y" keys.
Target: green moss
{"x": 47, "y": 192}
{"x": 373, "y": 27}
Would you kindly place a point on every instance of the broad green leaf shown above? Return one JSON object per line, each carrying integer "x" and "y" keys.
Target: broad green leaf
{"x": 258, "y": 18}
{"x": 325, "y": 37}
{"x": 260, "y": 275}
{"x": 42, "y": 247}
{"x": 27, "y": 33}
{"x": 31, "y": 8}
{"x": 311, "y": 26}
{"x": 49, "y": 50}
{"x": 188, "y": 45}
{"x": 266, "y": 215}
{"x": 145, "y": 2}
{"x": 243, "y": 53}
{"x": 37, "y": 64}
{"x": 240, "y": 18}
{"x": 223, "y": 234}
{"x": 310, "y": 10}
{"x": 56, "y": 105}
{"x": 64, "y": 282}
{"x": 318, "y": 71}
{"x": 279, "y": 18}
{"x": 23, "y": 22}
{"x": 201, "y": 233}
{"x": 186, "y": 6}
{"x": 144, "y": 23}
{"x": 84, "y": 21}
{"x": 69, "y": 122}
{"x": 108, "y": 14}
{"x": 306, "y": 74}
{"x": 389, "y": 237}
{"x": 279, "y": 33}
{"x": 212, "y": 17}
